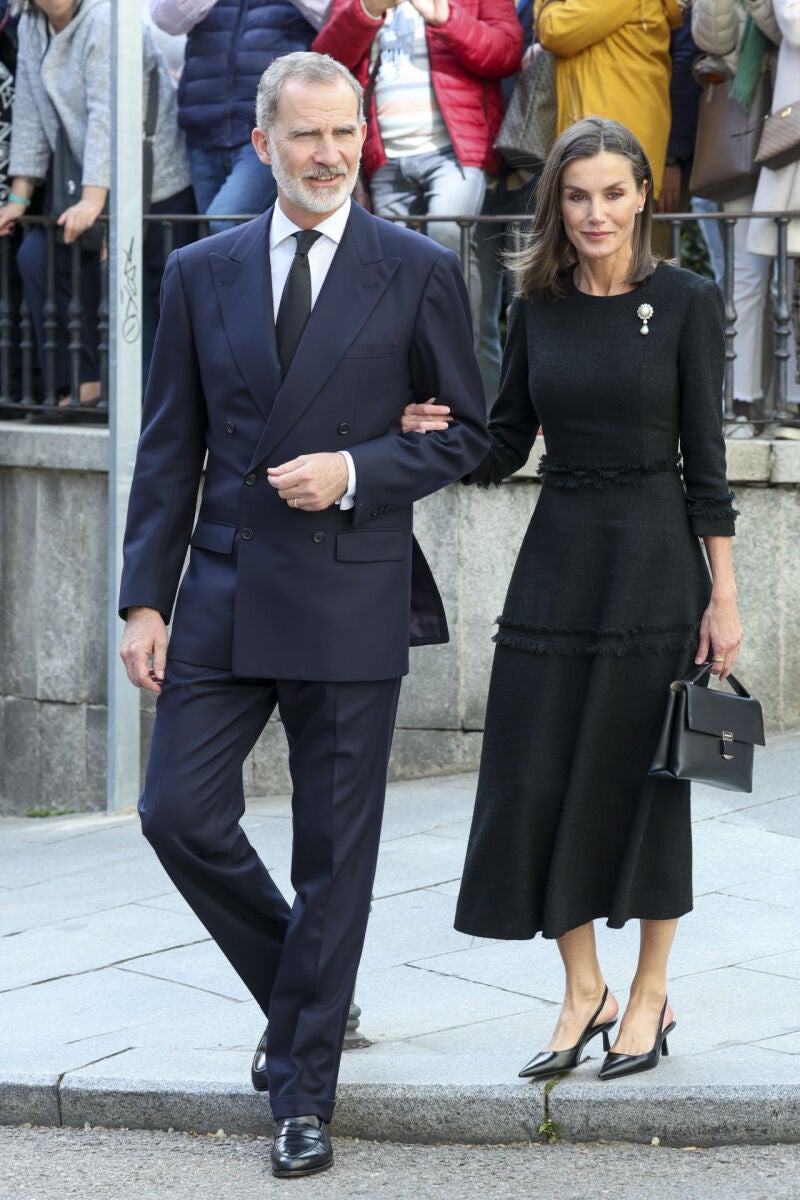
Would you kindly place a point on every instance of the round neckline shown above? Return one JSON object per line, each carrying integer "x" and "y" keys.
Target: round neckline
{"x": 617, "y": 296}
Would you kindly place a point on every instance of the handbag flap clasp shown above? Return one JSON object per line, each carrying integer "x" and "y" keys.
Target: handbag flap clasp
{"x": 727, "y": 743}
{"x": 709, "y": 710}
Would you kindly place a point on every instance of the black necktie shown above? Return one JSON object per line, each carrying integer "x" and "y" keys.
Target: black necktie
{"x": 295, "y": 305}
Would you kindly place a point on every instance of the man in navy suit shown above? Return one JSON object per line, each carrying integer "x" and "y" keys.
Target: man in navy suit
{"x": 286, "y": 351}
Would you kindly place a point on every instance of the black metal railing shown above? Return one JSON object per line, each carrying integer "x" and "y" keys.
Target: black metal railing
{"x": 30, "y": 385}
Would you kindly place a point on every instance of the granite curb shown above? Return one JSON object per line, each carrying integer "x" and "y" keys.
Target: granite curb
{"x": 698, "y": 1115}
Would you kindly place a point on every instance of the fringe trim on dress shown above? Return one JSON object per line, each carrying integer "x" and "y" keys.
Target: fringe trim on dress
{"x": 712, "y": 508}
{"x": 596, "y": 642}
{"x": 571, "y": 475}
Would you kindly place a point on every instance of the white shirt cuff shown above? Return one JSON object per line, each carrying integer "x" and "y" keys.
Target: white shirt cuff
{"x": 348, "y": 499}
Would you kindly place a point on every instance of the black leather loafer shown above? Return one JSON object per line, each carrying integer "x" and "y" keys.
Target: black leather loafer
{"x": 258, "y": 1069}
{"x": 301, "y": 1147}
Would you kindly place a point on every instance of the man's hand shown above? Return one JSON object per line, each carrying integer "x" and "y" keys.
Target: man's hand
{"x": 144, "y": 639}
{"x": 670, "y": 196}
{"x": 312, "y": 481}
{"x": 433, "y": 12}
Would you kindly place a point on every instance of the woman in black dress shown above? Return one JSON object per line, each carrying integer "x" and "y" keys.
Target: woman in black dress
{"x": 620, "y": 358}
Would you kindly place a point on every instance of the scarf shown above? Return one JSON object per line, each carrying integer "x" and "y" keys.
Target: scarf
{"x": 751, "y": 55}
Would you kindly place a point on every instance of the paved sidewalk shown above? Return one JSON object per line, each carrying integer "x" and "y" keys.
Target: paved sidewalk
{"x": 116, "y": 1009}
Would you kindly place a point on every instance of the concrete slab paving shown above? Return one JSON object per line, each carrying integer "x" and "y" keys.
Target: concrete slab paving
{"x": 781, "y": 887}
{"x": 779, "y": 816}
{"x": 199, "y": 965}
{"x": 778, "y": 964}
{"x": 108, "y": 888}
{"x": 726, "y": 854}
{"x": 93, "y": 941}
{"x": 115, "y": 1008}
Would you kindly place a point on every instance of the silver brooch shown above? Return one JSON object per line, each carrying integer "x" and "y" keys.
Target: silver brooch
{"x": 644, "y": 312}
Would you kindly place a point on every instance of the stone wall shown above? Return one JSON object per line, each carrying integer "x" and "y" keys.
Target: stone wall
{"x": 53, "y": 495}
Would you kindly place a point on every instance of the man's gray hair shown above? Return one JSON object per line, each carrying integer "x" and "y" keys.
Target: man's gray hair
{"x": 308, "y": 67}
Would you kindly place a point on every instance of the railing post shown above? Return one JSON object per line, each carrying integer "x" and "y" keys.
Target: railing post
{"x": 353, "y": 1040}
{"x": 50, "y": 321}
{"x": 783, "y": 319}
{"x": 102, "y": 331}
{"x": 728, "y": 228}
{"x": 466, "y": 250}
{"x": 125, "y": 374}
{"x": 27, "y": 346}
{"x": 75, "y": 324}
{"x": 6, "y": 324}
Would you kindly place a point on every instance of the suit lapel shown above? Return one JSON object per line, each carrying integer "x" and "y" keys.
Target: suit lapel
{"x": 354, "y": 284}
{"x": 243, "y": 283}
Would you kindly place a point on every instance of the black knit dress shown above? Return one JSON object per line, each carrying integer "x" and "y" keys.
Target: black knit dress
{"x": 603, "y": 609}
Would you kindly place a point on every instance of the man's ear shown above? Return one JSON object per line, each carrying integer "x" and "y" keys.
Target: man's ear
{"x": 261, "y": 145}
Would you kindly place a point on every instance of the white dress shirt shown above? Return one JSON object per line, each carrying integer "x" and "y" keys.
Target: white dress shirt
{"x": 282, "y": 247}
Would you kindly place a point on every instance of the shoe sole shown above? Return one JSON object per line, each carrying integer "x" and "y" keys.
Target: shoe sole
{"x": 301, "y": 1174}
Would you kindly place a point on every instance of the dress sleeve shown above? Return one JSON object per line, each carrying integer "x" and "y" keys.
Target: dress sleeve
{"x": 513, "y": 423}
{"x": 701, "y": 367}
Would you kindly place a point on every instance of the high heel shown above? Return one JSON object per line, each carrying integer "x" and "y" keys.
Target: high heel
{"x": 615, "y": 1065}
{"x": 552, "y": 1062}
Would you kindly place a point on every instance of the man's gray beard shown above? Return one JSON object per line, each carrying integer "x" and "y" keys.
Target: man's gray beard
{"x": 301, "y": 193}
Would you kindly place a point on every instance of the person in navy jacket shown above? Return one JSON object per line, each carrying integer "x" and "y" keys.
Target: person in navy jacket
{"x": 305, "y": 586}
{"x": 229, "y": 44}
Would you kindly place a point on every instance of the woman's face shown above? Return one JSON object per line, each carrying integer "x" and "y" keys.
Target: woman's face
{"x": 58, "y": 12}
{"x": 599, "y": 202}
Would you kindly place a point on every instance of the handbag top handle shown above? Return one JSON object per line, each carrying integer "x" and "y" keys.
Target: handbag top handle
{"x": 701, "y": 676}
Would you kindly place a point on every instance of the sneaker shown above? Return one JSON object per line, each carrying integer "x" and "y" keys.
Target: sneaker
{"x": 790, "y": 430}
{"x": 739, "y": 428}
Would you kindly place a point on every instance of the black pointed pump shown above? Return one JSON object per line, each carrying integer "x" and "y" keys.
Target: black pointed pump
{"x": 552, "y": 1062}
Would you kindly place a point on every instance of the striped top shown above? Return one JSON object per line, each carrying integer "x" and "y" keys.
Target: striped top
{"x": 409, "y": 118}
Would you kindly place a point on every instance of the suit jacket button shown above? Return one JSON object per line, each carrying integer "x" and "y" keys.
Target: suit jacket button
{"x": 230, "y": 427}
{"x": 250, "y": 479}
{"x": 318, "y": 536}
{"x": 343, "y": 429}
{"x": 247, "y": 534}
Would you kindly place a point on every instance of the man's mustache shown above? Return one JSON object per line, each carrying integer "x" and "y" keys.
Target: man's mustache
{"x": 325, "y": 173}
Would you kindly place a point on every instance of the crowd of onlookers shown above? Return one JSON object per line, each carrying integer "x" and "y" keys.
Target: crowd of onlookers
{"x": 437, "y": 75}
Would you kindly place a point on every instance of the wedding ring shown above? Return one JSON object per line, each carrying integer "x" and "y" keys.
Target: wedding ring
{"x": 295, "y": 501}
{"x": 718, "y": 660}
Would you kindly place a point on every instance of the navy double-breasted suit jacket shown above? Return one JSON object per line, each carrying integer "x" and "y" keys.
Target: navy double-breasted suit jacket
{"x": 270, "y": 591}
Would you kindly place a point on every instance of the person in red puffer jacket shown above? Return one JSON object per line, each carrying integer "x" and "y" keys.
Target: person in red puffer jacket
{"x": 434, "y": 68}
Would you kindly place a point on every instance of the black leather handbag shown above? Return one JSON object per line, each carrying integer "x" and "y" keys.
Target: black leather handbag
{"x": 708, "y": 735}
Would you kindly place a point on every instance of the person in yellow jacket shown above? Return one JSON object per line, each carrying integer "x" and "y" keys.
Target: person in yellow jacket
{"x": 612, "y": 60}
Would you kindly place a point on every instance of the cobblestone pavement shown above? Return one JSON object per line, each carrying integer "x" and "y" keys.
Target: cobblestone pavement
{"x": 59, "y": 1164}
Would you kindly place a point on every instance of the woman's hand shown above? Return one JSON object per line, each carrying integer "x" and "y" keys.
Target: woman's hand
{"x": 379, "y": 8}
{"x": 720, "y": 635}
{"x": 433, "y": 12}
{"x": 78, "y": 218}
{"x": 424, "y": 418}
{"x": 8, "y": 216}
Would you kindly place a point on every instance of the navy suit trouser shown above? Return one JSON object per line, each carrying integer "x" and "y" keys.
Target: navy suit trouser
{"x": 299, "y": 961}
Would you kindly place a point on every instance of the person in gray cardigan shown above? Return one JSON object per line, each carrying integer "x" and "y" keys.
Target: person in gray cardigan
{"x": 64, "y": 80}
